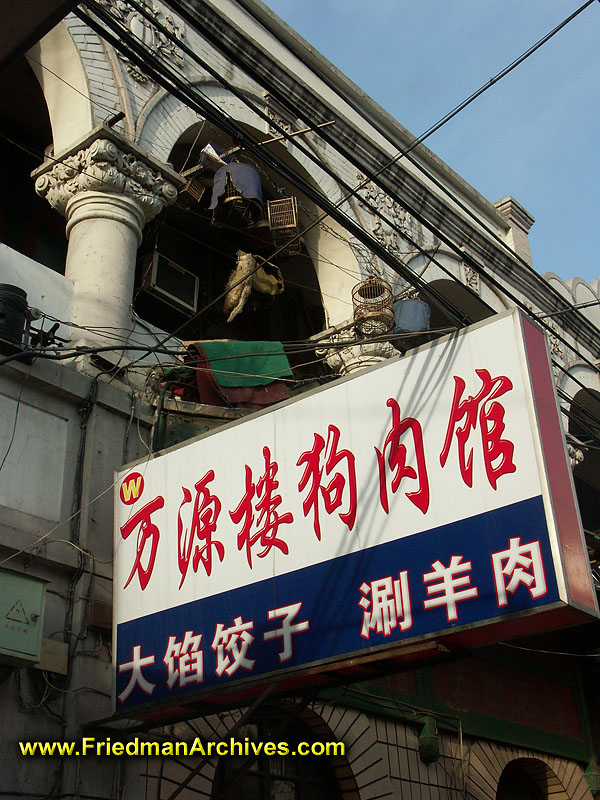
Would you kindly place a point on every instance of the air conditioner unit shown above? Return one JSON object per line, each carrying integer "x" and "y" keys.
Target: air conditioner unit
{"x": 171, "y": 283}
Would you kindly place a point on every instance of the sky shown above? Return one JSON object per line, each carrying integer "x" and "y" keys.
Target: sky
{"x": 534, "y": 135}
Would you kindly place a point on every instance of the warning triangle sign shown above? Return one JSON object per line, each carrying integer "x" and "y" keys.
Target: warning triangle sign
{"x": 17, "y": 613}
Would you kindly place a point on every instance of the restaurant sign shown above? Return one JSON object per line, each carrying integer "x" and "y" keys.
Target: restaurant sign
{"x": 427, "y": 497}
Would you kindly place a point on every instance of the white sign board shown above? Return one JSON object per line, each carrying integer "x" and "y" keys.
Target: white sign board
{"x": 411, "y": 500}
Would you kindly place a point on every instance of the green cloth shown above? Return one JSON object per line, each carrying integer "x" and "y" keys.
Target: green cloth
{"x": 247, "y": 363}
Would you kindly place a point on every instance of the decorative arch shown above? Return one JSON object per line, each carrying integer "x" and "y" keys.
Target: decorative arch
{"x": 584, "y": 293}
{"x": 67, "y": 97}
{"x": 360, "y": 774}
{"x": 366, "y": 758}
{"x": 457, "y": 290}
{"x": 165, "y": 120}
{"x": 555, "y": 778}
{"x": 460, "y": 297}
{"x": 557, "y": 283}
{"x": 529, "y": 779}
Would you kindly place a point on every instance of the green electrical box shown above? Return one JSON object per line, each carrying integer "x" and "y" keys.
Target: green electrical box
{"x": 22, "y": 602}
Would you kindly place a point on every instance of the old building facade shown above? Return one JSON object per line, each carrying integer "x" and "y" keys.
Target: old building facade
{"x": 124, "y": 100}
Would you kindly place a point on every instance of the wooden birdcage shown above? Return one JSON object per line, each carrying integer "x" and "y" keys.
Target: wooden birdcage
{"x": 283, "y": 222}
{"x": 193, "y": 191}
{"x": 373, "y": 304}
{"x": 198, "y": 181}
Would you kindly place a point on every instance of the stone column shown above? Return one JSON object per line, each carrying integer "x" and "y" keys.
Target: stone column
{"x": 107, "y": 189}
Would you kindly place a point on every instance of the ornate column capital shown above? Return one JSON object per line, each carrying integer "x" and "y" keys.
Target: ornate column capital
{"x": 104, "y": 162}
{"x": 353, "y": 357}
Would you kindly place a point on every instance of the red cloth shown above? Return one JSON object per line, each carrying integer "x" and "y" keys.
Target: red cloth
{"x": 210, "y": 393}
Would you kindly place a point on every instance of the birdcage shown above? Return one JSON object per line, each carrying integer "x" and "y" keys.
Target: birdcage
{"x": 237, "y": 195}
{"x": 198, "y": 180}
{"x": 373, "y": 306}
{"x": 283, "y": 222}
{"x": 193, "y": 191}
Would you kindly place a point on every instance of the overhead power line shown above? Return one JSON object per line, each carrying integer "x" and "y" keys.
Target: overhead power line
{"x": 187, "y": 93}
{"x": 349, "y": 140}
{"x": 178, "y": 5}
{"x": 159, "y": 72}
{"x": 503, "y": 73}
{"x": 425, "y": 289}
{"x": 309, "y": 60}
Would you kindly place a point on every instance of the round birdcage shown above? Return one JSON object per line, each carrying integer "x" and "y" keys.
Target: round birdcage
{"x": 373, "y": 306}
{"x": 237, "y": 195}
{"x": 236, "y": 209}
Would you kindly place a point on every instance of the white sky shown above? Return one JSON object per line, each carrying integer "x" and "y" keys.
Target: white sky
{"x": 534, "y": 135}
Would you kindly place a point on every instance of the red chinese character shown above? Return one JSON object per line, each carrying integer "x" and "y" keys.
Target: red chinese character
{"x": 266, "y": 505}
{"x": 396, "y": 460}
{"x": 207, "y": 508}
{"x": 148, "y": 531}
{"x": 482, "y": 407}
{"x": 332, "y": 493}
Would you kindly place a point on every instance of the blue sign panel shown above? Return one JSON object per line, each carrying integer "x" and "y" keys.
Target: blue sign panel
{"x": 460, "y": 574}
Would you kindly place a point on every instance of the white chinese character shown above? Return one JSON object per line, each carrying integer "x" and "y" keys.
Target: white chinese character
{"x": 236, "y": 641}
{"x": 289, "y": 613}
{"x": 137, "y": 678}
{"x": 389, "y": 606}
{"x": 521, "y": 563}
{"x": 189, "y": 658}
{"x": 448, "y": 585}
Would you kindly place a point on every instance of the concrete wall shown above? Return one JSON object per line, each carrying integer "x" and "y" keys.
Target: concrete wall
{"x": 67, "y": 442}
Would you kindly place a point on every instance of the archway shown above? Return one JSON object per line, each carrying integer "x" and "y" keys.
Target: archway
{"x": 284, "y": 776}
{"x": 267, "y": 777}
{"x": 474, "y": 308}
{"x": 552, "y": 776}
{"x": 188, "y": 236}
{"x": 529, "y": 779}
{"x": 27, "y": 222}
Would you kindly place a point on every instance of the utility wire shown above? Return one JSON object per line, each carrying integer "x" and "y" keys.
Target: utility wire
{"x": 375, "y": 123}
{"x": 503, "y": 289}
{"x": 514, "y": 64}
{"x": 238, "y": 132}
{"x": 181, "y": 88}
{"x": 226, "y": 48}
{"x": 386, "y": 258}
{"x": 166, "y": 32}
{"x": 452, "y": 276}
{"x": 405, "y": 151}
{"x": 184, "y": 10}
{"x": 178, "y": 6}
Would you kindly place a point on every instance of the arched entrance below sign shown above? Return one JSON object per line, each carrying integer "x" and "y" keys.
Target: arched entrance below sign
{"x": 528, "y": 779}
{"x": 498, "y": 772}
{"x": 325, "y": 777}
{"x": 291, "y": 773}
